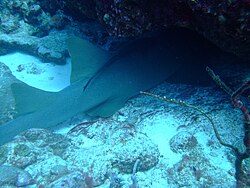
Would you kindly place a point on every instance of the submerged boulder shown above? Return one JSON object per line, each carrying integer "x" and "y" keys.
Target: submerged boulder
{"x": 13, "y": 176}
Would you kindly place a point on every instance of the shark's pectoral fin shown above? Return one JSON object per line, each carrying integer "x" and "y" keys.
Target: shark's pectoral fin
{"x": 86, "y": 58}
{"x": 107, "y": 108}
{"x": 29, "y": 99}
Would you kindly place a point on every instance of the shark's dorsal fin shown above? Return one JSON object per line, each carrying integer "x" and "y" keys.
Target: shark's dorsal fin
{"x": 86, "y": 58}
{"x": 29, "y": 99}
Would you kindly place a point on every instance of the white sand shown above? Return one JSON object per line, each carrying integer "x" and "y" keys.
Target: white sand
{"x": 34, "y": 72}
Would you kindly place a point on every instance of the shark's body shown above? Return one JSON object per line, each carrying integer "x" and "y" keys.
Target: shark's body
{"x": 99, "y": 89}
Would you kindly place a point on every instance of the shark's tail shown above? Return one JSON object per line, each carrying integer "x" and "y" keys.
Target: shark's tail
{"x": 28, "y": 100}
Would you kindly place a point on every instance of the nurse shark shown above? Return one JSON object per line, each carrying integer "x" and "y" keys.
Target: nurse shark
{"x": 101, "y": 83}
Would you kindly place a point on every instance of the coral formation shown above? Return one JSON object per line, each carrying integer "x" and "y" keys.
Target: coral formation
{"x": 225, "y": 23}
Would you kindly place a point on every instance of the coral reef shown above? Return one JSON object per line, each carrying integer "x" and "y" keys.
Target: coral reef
{"x": 225, "y": 23}
{"x": 159, "y": 145}
{"x": 40, "y": 16}
{"x": 77, "y": 155}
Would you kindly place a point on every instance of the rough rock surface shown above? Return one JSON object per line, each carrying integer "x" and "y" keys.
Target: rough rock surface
{"x": 13, "y": 176}
{"x": 88, "y": 154}
{"x": 225, "y": 23}
{"x": 183, "y": 142}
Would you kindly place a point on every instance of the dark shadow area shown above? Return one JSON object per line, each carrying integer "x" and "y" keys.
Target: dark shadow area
{"x": 197, "y": 53}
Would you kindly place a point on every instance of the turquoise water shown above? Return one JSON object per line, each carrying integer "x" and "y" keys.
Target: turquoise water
{"x": 147, "y": 141}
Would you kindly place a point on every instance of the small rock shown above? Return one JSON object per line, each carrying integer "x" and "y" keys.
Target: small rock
{"x": 131, "y": 148}
{"x": 13, "y": 176}
{"x": 59, "y": 170}
{"x": 42, "y": 137}
{"x": 183, "y": 142}
{"x": 73, "y": 180}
